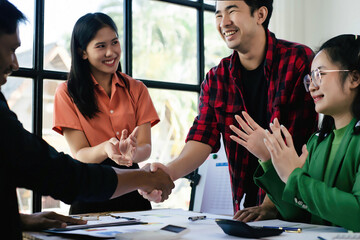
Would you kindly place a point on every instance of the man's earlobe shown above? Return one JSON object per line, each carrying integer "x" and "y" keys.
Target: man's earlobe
{"x": 262, "y": 14}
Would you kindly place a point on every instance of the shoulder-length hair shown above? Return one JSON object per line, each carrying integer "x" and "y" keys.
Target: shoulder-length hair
{"x": 80, "y": 84}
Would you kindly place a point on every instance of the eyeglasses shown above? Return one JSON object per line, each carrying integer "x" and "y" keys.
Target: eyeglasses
{"x": 315, "y": 77}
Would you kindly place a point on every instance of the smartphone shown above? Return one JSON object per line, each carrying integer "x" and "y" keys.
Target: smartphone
{"x": 167, "y": 232}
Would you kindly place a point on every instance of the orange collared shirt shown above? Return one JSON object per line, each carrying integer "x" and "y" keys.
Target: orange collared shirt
{"x": 125, "y": 109}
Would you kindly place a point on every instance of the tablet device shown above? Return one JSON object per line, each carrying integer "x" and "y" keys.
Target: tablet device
{"x": 241, "y": 229}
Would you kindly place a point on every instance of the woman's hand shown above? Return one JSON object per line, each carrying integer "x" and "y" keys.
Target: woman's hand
{"x": 283, "y": 153}
{"x": 128, "y": 144}
{"x": 122, "y": 152}
{"x": 112, "y": 151}
{"x": 251, "y": 136}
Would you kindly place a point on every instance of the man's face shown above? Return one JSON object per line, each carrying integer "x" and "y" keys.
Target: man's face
{"x": 8, "y": 61}
{"x": 235, "y": 24}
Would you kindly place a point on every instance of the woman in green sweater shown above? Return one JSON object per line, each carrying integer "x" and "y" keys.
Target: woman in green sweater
{"x": 322, "y": 185}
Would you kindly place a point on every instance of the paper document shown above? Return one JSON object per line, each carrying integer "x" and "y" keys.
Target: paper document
{"x": 340, "y": 236}
{"x": 100, "y": 228}
{"x": 213, "y": 194}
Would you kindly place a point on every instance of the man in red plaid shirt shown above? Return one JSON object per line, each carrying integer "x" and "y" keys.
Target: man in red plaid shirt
{"x": 264, "y": 77}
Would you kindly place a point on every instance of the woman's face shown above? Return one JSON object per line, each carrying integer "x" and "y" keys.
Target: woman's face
{"x": 103, "y": 52}
{"x": 331, "y": 97}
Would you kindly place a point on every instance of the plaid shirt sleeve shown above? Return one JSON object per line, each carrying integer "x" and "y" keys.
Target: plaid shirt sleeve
{"x": 204, "y": 128}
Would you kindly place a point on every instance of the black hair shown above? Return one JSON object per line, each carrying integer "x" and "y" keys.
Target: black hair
{"x": 344, "y": 51}
{"x": 10, "y": 17}
{"x": 256, "y": 4}
{"x": 80, "y": 84}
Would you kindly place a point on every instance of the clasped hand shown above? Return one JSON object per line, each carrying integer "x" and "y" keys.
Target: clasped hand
{"x": 123, "y": 151}
{"x": 161, "y": 190}
{"x": 155, "y": 195}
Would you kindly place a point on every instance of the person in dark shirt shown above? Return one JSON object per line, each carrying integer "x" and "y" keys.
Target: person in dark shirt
{"x": 27, "y": 161}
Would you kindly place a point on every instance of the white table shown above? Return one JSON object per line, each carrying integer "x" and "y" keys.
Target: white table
{"x": 200, "y": 229}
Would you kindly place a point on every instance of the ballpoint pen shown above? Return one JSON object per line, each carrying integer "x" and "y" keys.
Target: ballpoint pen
{"x": 286, "y": 229}
{"x": 118, "y": 217}
{"x": 194, "y": 218}
{"x": 86, "y": 217}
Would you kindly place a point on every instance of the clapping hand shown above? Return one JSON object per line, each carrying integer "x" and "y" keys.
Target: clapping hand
{"x": 128, "y": 145}
{"x": 250, "y": 136}
{"x": 283, "y": 154}
{"x": 123, "y": 151}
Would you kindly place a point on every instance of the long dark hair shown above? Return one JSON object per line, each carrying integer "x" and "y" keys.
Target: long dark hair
{"x": 80, "y": 84}
{"x": 344, "y": 51}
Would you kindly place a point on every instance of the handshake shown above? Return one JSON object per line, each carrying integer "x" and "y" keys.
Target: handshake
{"x": 160, "y": 185}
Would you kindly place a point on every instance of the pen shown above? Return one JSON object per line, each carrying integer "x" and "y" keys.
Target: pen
{"x": 194, "y": 218}
{"x": 118, "y": 217}
{"x": 321, "y": 238}
{"x": 87, "y": 217}
{"x": 286, "y": 229}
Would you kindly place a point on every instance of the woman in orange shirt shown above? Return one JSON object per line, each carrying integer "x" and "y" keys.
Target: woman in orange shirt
{"x": 99, "y": 106}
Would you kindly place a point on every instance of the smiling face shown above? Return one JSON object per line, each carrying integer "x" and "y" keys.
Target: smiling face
{"x": 103, "y": 53}
{"x": 332, "y": 97}
{"x": 8, "y": 61}
{"x": 236, "y": 25}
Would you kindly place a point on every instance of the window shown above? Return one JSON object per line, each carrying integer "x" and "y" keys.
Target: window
{"x": 162, "y": 45}
{"x": 164, "y": 42}
{"x": 19, "y": 95}
{"x": 177, "y": 110}
{"x": 215, "y": 48}
{"x": 25, "y": 52}
{"x": 57, "y": 34}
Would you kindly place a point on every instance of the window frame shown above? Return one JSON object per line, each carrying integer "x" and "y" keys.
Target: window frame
{"x": 38, "y": 74}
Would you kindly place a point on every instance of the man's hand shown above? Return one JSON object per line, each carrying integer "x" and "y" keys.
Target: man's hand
{"x": 45, "y": 220}
{"x": 266, "y": 210}
{"x": 251, "y": 136}
{"x": 159, "y": 189}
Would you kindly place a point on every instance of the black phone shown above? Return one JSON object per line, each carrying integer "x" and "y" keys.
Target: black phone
{"x": 173, "y": 228}
{"x": 241, "y": 229}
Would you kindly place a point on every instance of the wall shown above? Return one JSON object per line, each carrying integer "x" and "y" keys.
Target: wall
{"x": 312, "y": 22}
